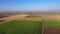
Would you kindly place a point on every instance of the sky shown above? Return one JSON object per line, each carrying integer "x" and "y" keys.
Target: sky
{"x": 29, "y": 5}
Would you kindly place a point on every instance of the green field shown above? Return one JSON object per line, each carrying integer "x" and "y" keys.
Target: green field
{"x": 51, "y": 23}
{"x": 22, "y": 26}
{"x": 28, "y": 26}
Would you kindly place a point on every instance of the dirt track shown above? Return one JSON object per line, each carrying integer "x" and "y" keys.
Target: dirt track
{"x": 51, "y": 30}
{"x": 13, "y": 17}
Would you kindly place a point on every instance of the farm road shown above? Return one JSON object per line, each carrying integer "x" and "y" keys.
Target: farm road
{"x": 14, "y": 17}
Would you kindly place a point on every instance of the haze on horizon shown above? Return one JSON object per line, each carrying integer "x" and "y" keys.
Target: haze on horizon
{"x": 29, "y": 5}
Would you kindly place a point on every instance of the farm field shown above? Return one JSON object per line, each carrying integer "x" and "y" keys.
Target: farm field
{"x": 30, "y": 24}
{"x": 51, "y": 26}
{"x": 22, "y": 26}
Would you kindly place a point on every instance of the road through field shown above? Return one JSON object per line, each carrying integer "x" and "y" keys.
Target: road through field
{"x": 14, "y": 17}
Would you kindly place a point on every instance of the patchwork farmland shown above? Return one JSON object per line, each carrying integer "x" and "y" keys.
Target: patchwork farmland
{"x": 19, "y": 24}
{"x": 30, "y": 24}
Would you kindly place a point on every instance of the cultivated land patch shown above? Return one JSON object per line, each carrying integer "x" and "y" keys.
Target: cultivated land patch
{"x": 51, "y": 26}
{"x": 16, "y": 25}
{"x": 2, "y": 16}
{"x": 22, "y": 26}
{"x": 50, "y": 16}
{"x": 51, "y": 30}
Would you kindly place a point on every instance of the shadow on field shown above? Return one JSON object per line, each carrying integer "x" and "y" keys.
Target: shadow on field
{"x": 2, "y": 32}
{"x": 2, "y": 20}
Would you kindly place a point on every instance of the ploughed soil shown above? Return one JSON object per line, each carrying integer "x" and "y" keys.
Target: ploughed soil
{"x": 2, "y": 20}
{"x": 2, "y": 16}
{"x": 51, "y": 30}
{"x": 33, "y": 16}
{"x": 44, "y": 16}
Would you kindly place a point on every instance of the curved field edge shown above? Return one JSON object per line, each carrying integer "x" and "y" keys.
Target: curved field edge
{"x": 51, "y": 23}
{"x": 24, "y": 19}
{"x": 31, "y": 19}
{"x": 21, "y": 27}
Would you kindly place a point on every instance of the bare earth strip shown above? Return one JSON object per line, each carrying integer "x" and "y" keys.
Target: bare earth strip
{"x": 51, "y": 30}
{"x": 51, "y": 16}
{"x": 14, "y": 17}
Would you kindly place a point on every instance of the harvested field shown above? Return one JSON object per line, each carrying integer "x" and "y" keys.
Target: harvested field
{"x": 51, "y": 31}
{"x": 51, "y": 16}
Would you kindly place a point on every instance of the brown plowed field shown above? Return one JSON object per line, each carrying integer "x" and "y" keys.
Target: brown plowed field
{"x": 51, "y": 30}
